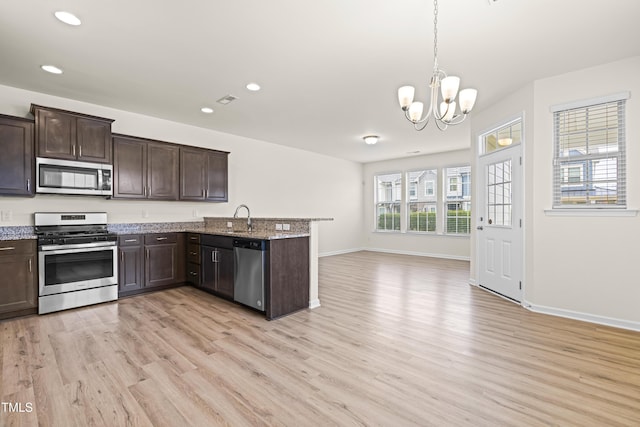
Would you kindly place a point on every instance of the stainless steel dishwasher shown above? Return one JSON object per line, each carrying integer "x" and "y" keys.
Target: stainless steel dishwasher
{"x": 249, "y": 272}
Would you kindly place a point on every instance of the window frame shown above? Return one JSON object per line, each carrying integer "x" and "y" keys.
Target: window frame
{"x": 562, "y": 164}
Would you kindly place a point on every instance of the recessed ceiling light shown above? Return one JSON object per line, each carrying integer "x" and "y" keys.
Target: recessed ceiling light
{"x": 207, "y": 110}
{"x": 253, "y": 87}
{"x": 51, "y": 69}
{"x": 370, "y": 139}
{"x": 68, "y": 18}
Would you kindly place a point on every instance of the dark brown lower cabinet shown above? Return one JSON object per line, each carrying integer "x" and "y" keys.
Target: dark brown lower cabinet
{"x": 131, "y": 263}
{"x": 217, "y": 265}
{"x": 150, "y": 261}
{"x": 161, "y": 259}
{"x": 18, "y": 278}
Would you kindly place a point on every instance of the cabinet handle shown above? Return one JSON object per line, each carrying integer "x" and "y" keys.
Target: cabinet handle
{"x": 193, "y": 238}
{"x": 28, "y": 184}
{"x": 130, "y": 240}
{"x": 206, "y": 194}
{"x": 73, "y": 150}
{"x": 121, "y": 256}
{"x": 144, "y": 190}
{"x": 30, "y": 270}
{"x": 161, "y": 238}
{"x": 193, "y": 253}
{"x": 80, "y": 149}
{"x": 147, "y": 253}
{"x": 8, "y": 248}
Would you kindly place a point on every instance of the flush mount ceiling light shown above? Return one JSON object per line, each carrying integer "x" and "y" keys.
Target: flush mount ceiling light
{"x": 504, "y": 142}
{"x": 207, "y": 110}
{"x": 68, "y": 18}
{"x": 442, "y": 108}
{"x": 51, "y": 69}
{"x": 370, "y": 139}
{"x": 253, "y": 87}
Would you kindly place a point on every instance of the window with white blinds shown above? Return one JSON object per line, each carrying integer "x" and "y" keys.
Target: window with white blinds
{"x": 589, "y": 156}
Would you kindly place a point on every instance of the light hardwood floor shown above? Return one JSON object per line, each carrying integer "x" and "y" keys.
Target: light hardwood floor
{"x": 398, "y": 341}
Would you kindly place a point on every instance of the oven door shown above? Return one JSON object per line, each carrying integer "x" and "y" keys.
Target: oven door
{"x": 76, "y": 267}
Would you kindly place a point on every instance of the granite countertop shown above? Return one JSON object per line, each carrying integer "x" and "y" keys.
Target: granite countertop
{"x": 17, "y": 233}
{"x": 261, "y": 235}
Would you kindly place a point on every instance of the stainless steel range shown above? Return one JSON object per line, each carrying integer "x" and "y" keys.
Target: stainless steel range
{"x": 77, "y": 260}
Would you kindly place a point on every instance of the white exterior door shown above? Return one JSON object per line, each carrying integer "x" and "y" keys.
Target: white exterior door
{"x": 499, "y": 225}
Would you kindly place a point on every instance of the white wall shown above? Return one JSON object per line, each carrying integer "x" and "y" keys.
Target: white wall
{"x": 272, "y": 180}
{"x": 586, "y": 264}
{"x": 578, "y": 266}
{"x": 428, "y": 244}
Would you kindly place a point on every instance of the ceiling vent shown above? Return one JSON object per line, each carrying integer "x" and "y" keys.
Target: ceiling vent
{"x": 226, "y": 99}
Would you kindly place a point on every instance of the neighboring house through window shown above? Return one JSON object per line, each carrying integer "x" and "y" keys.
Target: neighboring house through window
{"x": 388, "y": 199}
{"x": 421, "y": 201}
{"x": 458, "y": 200}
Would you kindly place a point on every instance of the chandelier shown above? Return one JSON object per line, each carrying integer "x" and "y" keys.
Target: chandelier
{"x": 446, "y": 114}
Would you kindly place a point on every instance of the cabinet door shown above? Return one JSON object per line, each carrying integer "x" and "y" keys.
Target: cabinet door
{"x": 56, "y": 135}
{"x": 131, "y": 268}
{"x": 129, "y": 168}
{"x": 162, "y": 171}
{"x": 192, "y": 174}
{"x": 161, "y": 265}
{"x": 93, "y": 139}
{"x": 18, "y": 285}
{"x": 216, "y": 189}
{"x": 16, "y": 161}
{"x": 209, "y": 268}
{"x": 224, "y": 284}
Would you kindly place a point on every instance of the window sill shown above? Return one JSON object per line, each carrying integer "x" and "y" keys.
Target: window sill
{"x": 591, "y": 212}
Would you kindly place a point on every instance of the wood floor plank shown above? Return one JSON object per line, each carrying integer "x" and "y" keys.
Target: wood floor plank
{"x": 398, "y": 341}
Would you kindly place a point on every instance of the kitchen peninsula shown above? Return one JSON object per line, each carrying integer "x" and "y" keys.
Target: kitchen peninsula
{"x": 292, "y": 260}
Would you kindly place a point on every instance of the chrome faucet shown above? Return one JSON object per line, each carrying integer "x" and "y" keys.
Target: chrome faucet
{"x": 249, "y": 224}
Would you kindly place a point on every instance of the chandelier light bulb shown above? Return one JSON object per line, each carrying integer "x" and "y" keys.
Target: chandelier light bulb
{"x": 415, "y": 111}
{"x": 467, "y": 100}
{"x": 447, "y": 110}
{"x": 405, "y": 96}
{"x": 449, "y": 86}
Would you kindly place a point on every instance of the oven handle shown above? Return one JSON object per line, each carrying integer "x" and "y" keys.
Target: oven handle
{"x": 62, "y": 249}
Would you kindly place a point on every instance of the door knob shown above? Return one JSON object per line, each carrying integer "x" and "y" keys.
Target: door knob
{"x": 479, "y": 227}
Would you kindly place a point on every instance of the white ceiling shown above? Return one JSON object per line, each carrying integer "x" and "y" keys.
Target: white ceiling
{"x": 329, "y": 69}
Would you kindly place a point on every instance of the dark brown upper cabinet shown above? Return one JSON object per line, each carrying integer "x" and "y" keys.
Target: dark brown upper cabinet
{"x": 16, "y": 162}
{"x": 203, "y": 175}
{"x": 67, "y": 135}
{"x": 144, "y": 169}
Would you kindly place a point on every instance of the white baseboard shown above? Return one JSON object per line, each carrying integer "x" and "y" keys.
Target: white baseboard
{"x": 399, "y": 252}
{"x": 585, "y": 317}
{"x": 340, "y": 252}
{"x": 314, "y": 303}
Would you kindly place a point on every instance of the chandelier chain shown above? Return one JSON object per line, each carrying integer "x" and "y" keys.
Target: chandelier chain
{"x": 435, "y": 33}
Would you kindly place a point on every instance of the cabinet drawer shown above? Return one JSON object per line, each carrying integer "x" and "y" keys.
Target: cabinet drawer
{"x": 193, "y": 273}
{"x": 17, "y": 247}
{"x": 193, "y": 238}
{"x": 193, "y": 253}
{"x": 130, "y": 240}
{"x": 160, "y": 238}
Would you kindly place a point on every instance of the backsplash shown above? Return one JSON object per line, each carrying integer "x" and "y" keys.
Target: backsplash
{"x": 155, "y": 227}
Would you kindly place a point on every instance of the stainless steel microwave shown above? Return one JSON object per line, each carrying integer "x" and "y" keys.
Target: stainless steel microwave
{"x": 71, "y": 177}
